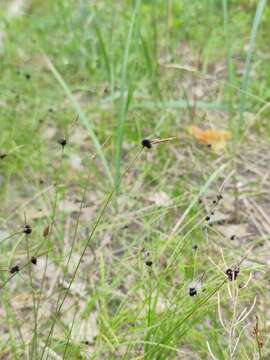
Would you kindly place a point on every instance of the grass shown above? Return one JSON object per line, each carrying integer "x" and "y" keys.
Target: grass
{"x": 122, "y": 233}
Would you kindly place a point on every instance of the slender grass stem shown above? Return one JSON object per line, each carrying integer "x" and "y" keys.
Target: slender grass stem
{"x": 101, "y": 214}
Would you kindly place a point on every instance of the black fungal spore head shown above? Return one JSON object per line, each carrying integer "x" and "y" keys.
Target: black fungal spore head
{"x": 192, "y": 291}
{"x": 149, "y": 263}
{"x": 146, "y": 143}
{"x": 34, "y": 260}
{"x": 27, "y": 229}
{"x": 62, "y": 141}
{"x": 14, "y": 269}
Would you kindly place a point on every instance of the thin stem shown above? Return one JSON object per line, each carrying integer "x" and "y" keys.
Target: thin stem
{"x": 101, "y": 214}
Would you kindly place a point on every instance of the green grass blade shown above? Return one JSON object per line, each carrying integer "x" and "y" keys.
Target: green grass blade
{"x": 230, "y": 72}
{"x": 103, "y": 51}
{"x": 82, "y": 116}
{"x": 179, "y": 104}
{"x": 251, "y": 47}
{"x": 124, "y": 96}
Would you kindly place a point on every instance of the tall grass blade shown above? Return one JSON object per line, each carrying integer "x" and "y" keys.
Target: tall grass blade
{"x": 251, "y": 47}
{"x": 104, "y": 52}
{"x": 82, "y": 116}
{"x": 125, "y": 94}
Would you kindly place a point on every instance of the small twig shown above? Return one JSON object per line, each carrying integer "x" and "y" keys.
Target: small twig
{"x": 259, "y": 340}
{"x": 210, "y": 351}
{"x": 240, "y": 318}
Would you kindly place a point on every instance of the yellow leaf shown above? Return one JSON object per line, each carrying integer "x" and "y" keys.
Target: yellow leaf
{"x": 217, "y": 139}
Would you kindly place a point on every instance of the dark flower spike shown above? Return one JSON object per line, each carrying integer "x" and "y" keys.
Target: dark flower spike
{"x": 149, "y": 263}
{"x": 27, "y": 229}
{"x": 145, "y": 253}
{"x": 34, "y": 260}
{"x": 146, "y": 143}
{"x": 192, "y": 291}
{"x": 14, "y": 269}
{"x": 196, "y": 285}
{"x": 219, "y": 197}
{"x": 232, "y": 273}
{"x": 195, "y": 247}
{"x": 62, "y": 141}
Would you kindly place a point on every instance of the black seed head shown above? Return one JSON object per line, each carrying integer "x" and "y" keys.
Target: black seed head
{"x": 207, "y": 218}
{"x": 50, "y": 110}
{"x": 232, "y": 273}
{"x": 34, "y": 260}
{"x": 214, "y": 202}
{"x": 28, "y": 76}
{"x": 2, "y": 156}
{"x": 146, "y": 143}
{"x": 14, "y": 269}
{"x": 27, "y": 229}
{"x": 219, "y": 197}
{"x": 209, "y": 146}
{"x": 146, "y": 253}
{"x": 195, "y": 247}
{"x": 232, "y": 237}
{"x": 192, "y": 291}
{"x": 149, "y": 263}
{"x": 62, "y": 141}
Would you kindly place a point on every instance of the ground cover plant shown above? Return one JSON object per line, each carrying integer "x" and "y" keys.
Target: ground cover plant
{"x": 134, "y": 174}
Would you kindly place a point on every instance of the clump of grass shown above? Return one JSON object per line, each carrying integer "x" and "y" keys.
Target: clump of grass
{"x": 127, "y": 70}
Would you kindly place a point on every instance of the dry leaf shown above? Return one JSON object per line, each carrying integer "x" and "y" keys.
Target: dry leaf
{"x": 46, "y": 231}
{"x": 239, "y": 230}
{"x": 76, "y": 162}
{"x": 160, "y": 199}
{"x": 180, "y": 67}
{"x": 34, "y": 213}
{"x": 217, "y": 139}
